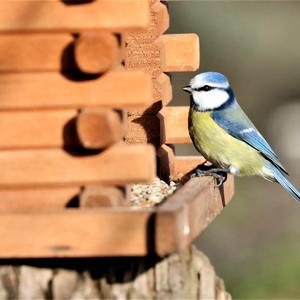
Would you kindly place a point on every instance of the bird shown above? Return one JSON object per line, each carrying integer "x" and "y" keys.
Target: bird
{"x": 221, "y": 131}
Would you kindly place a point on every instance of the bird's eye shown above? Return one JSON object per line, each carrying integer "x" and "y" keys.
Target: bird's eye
{"x": 204, "y": 88}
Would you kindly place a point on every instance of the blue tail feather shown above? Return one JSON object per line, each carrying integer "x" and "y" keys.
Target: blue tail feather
{"x": 281, "y": 178}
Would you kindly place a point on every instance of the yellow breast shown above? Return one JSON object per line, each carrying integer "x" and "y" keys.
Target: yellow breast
{"x": 220, "y": 148}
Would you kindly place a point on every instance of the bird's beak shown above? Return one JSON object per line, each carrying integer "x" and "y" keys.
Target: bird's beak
{"x": 187, "y": 89}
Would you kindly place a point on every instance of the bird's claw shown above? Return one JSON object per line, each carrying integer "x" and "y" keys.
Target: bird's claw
{"x": 219, "y": 174}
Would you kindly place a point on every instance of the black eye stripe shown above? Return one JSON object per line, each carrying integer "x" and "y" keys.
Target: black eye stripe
{"x": 204, "y": 88}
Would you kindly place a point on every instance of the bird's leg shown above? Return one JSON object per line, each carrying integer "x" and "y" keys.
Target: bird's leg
{"x": 218, "y": 173}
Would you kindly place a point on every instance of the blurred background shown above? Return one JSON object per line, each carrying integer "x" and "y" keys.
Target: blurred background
{"x": 255, "y": 243}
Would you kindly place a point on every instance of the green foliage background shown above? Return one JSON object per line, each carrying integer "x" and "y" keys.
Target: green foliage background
{"x": 255, "y": 243}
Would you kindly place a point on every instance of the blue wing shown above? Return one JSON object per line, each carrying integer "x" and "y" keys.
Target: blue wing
{"x": 236, "y": 123}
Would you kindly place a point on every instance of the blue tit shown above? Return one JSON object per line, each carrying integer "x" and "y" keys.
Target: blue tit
{"x": 224, "y": 135}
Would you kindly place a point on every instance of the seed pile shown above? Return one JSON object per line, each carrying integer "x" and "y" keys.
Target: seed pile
{"x": 147, "y": 195}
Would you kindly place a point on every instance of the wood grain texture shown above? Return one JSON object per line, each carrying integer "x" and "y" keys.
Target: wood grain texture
{"x": 179, "y": 52}
{"x": 97, "y": 52}
{"x": 35, "y": 52}
{"x": 118, "y": 88}
{"x": 189, "y": 211}
{"x": 99, "y": 128}
{"x": 185, "y": 275}
{"x": 36, "y": 16}
{"x": 174, "y": 125}
{"x": 120, "y": 164}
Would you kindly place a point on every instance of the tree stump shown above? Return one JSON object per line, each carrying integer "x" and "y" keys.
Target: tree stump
{"x": 186, "y": 275}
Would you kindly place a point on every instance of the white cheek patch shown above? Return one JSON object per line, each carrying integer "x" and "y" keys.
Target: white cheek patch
{"x": 211, "y": 99}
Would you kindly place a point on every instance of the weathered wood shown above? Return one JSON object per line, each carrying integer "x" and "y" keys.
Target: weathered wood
{"x": 185, "y": 275}
{"x": 174, "y": 125}
{"x": 13, "y": 200}
{"x": 97, "y": 52}
{"x": 102, "y": 196}
{"x": 119, "y": 164}
{"x": 118, "y": 88}
{"x": 37, "y": 16}
{"x": 188, "y": 211}
{"x": 99, "y": 128}
{"x": 179, "y": 52}
{"x": 35, "y": 52}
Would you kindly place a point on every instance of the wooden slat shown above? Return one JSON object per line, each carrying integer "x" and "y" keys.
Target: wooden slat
{"x": 99, "y": 128}
{"x": 36, "y": 129}
{"x": 36, "y": 16}
{"x": 35, "y": 52}
{"x": 179, "y": 52}
{"x": 119, "y": 164}
{"x": 74, "y": 233}
{"x": 37, "y": 198}
{"x": 174, "y": 125}
{"x": 118, "y": 88}
{"x": 188, "y": 212}
{"x": 97, "y": 52}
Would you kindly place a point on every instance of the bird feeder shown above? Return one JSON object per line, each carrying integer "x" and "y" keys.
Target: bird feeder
{"x": 83, "y": 117}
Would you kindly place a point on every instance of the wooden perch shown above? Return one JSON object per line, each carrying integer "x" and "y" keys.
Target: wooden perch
{"x": 188, "y": 212}
{"x": 123, "y": 231}
{"x": 117, "y": 89}
{"x": 97, "y": 52}
{"x": 36, "y": 16}
{"x": 119, "y": 164}
{"x": 174, "y": 125}
{"x": 99, "y": 128}
{"x": 179, "y": 52}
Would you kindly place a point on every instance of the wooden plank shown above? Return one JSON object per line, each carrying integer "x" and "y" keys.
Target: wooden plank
{"x": 119, "y": 164}
{"x": 188, "y": 212}
{"x": 174, "y": 125}
{"x": 99, "y": 128}
{"x": 36, "y": 129}
{"x": 12, "y": 200}
{"x": 118, "y": 88}
{"x": 74, "y": 233}
{"x": 35, "y": 52}
{"x": 37, "y": 16}
{"x": 179, "y": 52}
{"x": 97, "y": 52}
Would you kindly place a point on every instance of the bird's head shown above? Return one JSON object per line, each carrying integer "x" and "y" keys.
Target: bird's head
{"x": 209, "y": 91}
